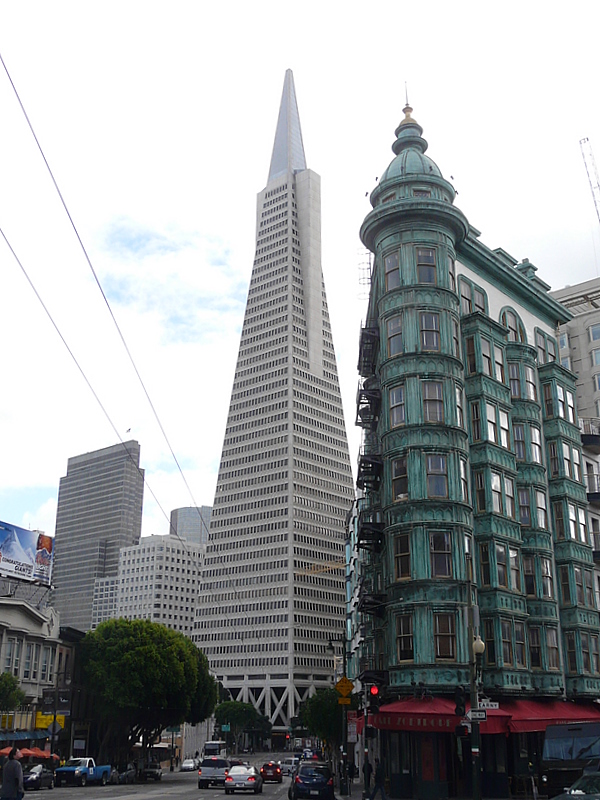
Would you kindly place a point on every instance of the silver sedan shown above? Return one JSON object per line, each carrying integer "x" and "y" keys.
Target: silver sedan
{"x": 244, "y": 779}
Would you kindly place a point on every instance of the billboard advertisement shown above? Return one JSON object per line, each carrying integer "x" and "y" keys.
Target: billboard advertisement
{"x": 25, "y": 554}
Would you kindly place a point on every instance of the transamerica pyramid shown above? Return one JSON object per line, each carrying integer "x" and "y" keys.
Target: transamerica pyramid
{"x": 272, "y": 594}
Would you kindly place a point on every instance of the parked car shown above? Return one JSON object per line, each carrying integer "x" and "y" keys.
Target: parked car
{"x": 188, "y": 765}
{"x": 312, "y": 780}
{"x": 588, "y": 784}
{"x": 271, "y": 771}
{"x": 127, "y": 773}
{"x": 288, "y": 765}
{"x": 244, "y": 778}
{"x": 37, "y": 776}
{"x": 152, "y": 770}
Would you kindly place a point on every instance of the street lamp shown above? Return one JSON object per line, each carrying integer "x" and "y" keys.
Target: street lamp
{"x": 478, "y": 648}
{"x": 344, "y": 773}
{"x": 67, "y": 682}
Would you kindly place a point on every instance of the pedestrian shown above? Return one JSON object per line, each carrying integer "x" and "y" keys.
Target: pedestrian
{"x": 12, "y": 777}
{"x": 379, "y": 780}
{"x": 367, "y": 770}
{"x": 351, "y": 770}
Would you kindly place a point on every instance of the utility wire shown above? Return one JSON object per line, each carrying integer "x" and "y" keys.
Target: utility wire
{"x": 110, "y": 311}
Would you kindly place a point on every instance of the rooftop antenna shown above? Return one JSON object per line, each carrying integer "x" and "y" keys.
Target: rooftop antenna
{"x": 406, "y": 91}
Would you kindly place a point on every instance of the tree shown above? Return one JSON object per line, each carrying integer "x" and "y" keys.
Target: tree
{"x": 322, "y": 715}
{"x": 237, "y": 715}
{"x": 11, "y": 695}
{"x": 144, "y": 677}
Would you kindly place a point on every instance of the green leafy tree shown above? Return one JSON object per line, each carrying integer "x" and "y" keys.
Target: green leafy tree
{"x": 11, "y": 695}
{"x": 239, "y": 716}
{"x": 323, "y": 716}
{"x": 143, "y": 677}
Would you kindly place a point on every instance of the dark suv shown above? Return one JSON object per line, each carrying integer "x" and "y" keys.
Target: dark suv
{"x": 313, "y": 779}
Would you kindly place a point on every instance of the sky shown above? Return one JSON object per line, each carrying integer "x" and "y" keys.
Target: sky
{"x": 157, "y": 120}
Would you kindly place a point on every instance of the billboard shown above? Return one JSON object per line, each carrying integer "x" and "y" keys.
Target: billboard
{"x": 25, "y": 554}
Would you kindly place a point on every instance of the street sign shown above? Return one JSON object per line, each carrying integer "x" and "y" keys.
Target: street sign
{"x": 477, "y": 714}
{"x": 226, "y": 727}
{"x": 488, "y": 704}
{"x": 344, "y": 686}
{"x": 344, "y": 701}
{"x": 54, "y": 727}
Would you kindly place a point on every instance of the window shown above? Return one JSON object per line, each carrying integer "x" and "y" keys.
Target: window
{"x": 516, "y": 333}
{"x": 455, "y": 339}
{"x": 464, "y": 481}
{"x": 552, "y": 647}
{"x": 535, "y": 647}
{"x": 530, "y": 384}
{"x": 397, "y": 409}
{"x": 466, "y": 303}
{"x": 470, "y": 352}
{"x": 578, "y": 572}
{"x": 559, "y": 519}
{"x": 536, "y": 444}
{"x": 394, "y": 329}
{"x": 560, "y": 397}
{"x": 595, "y": 355}
{"x": 404, "y": 637}
{"x": 524, "y": 508}
{"x": 595, "y": 654}
{"x": 515, "y": 572}
{"x": 492, "y": 425}
{"x": 509, "y": 494}
{"x": 399, "y": 480}
{"x": 520, "y": 644}
{"x": 504, "y": 431}
{"x": 582, "y": 518}
{"x": 402, "y": 556}
{"x": 486, "y": 356}
{"x": 433, "y": 403}
{"x": 548, "y": 401}
{"x": 576, "y": 465}
{"x": 570, "y": 407}
{"x": 441, "y": 554}
{"x": 565, "y": 591}
{"x": 519, "y": 439}
{"x": 501, "y": 566}
{"x": 529, "y": 575}
{"x": 499, "y": 363}
{"x": 571, "y": 654}
{"x": 553, "y": 460}
{"x": 585, "y": 652}
{"x": 445, "y": 637}
{"x": 480, "y": 490}
{"x": 426, "y": 265}
{"x": 496, "y": 493}
{"x": 507, "y": 652}
{"x": 540, "y": 341}
{"x": 392, "y": 271}
{"x": 490, "y": 642}
{"x": 479, "y": 300}
{"x": 437, "y": 476}
{"x": 430, "y": 331}
{"x": 514, "y": 379}
{"x": 475, "y": 421}
{"x": 572, "y": 521}
{"x": 547, "y": 579}
{"x": 460, "y": 414}
{"x": 484, "y": 560}
{"x": 542, "y": 509}
{"x": 594, "y": 333}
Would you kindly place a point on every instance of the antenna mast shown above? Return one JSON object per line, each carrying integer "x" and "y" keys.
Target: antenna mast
{"x": 592, "y": 172}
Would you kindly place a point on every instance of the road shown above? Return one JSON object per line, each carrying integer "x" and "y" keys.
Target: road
{"x": 173, "y": 785}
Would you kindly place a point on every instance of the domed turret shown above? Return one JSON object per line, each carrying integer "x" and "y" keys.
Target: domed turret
{"x": 410, "y": 148}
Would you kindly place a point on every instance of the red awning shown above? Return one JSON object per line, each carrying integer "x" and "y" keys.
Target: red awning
{"x": 432, "y": 714}
{"x": 535, "y": 715}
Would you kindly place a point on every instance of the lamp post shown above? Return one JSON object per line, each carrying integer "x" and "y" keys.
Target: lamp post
{"x": 478, "y": 648}
{"x": 67, "y": 681}
{"x": 344, "y": 771}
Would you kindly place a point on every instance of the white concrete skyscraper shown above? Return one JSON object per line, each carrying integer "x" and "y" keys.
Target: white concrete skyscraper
{"x": 273, "y": 591}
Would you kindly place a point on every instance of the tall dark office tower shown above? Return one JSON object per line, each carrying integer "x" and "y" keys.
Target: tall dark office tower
{"x": 99, "y": 511}
{"x": 273, "y": 595}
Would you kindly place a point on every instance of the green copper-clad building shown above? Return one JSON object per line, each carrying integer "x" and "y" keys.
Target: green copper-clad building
{"x": 474, "y": 521}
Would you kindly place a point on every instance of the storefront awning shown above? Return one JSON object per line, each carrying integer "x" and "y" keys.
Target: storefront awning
{"x": 535, "y": 715}
{"x": 433, "y": 714}
{"x": 22, "y": 736}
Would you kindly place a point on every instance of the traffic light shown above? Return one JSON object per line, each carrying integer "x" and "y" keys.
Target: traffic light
{"x": 461, "y": 731}
{"x": 374, "y": 699}
{"x": 370, "y": 732}
{"x": 460, "y": 699}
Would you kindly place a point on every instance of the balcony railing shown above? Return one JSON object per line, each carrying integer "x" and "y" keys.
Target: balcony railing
{"x": 590, "y": 427}
{"x": 592, "y": 482}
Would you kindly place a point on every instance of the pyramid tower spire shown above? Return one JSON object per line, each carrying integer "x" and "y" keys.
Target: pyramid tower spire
{"x": 288, "y": 149}
{"x": 273, "y": 585}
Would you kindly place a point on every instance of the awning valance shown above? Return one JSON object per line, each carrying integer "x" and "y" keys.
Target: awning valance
{"x": 436, "y": 714}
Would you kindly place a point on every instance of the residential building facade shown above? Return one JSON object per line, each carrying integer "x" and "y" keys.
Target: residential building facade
{"x": 475, "y": 519}
{"x": 272, "y": 593}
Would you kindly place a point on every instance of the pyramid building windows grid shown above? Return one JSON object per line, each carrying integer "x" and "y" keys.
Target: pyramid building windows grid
{"x": 273, "y": 586}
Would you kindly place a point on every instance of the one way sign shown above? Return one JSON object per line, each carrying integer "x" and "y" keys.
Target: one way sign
{"x": 477, "y": 714}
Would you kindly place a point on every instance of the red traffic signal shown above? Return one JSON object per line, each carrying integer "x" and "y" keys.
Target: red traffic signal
{"x": 374, "y": 690}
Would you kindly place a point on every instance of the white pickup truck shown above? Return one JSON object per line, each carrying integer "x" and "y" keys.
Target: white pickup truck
{"x": 212, "y": 772}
